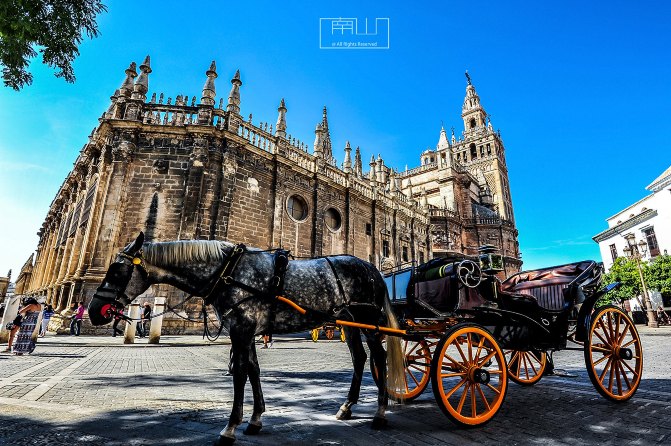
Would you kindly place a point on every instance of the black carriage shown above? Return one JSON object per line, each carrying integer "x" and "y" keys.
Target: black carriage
{"x": 468, "y": 332}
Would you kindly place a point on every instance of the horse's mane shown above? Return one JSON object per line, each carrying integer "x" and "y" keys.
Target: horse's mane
{"x": 182, "y": 252}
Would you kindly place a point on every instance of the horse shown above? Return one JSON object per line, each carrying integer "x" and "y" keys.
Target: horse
{"x": 242, "y": 284}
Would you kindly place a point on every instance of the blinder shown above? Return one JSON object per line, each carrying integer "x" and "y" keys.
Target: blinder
{"x": 113, "y": 288}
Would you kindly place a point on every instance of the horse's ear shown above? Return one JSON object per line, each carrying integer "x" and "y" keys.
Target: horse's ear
{"x": 135, "y": 246}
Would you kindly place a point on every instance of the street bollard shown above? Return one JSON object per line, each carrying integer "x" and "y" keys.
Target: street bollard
{"x": 131, "y": 326}
{"x": 11, "y": 310}
{"x": 156, "y": 322}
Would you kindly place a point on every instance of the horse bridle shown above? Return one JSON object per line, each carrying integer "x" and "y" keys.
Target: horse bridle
{"x": 114, "y": 291}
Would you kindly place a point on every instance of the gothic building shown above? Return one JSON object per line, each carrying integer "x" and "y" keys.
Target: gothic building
{"x": 192, "y": 169}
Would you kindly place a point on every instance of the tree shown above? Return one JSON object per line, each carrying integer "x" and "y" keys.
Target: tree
{"x": 624, "y": 270}
{"x": 53, "y": 26}
{"x": 658, "y": 274}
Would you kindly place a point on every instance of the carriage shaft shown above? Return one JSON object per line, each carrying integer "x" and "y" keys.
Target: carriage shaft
{"x": 386, "y": 330}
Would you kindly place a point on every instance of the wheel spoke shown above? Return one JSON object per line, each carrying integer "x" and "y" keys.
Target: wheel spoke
{"x": 414, "y": 379}
{"x": 461, "y": 352}
{"x": 617, "y": 329}
{"x": 480, "y": 344}
{"x": 623, "y": 335}
{"x": 458, "y": 364}
{"x": 526, "y": 368}
{"x": 487, "y": 358}
{"x": 455, "y": 388}
{"x": 612, "y": 373}
{"x": 630, "y": 369}
{"x": 603, "y": 328}
{"x": 605, "y": 369}
{"x": 624, "y": 375}
{"x": 602, "y": 359}
{"x": 470, "y": 347}
{"x": 605, "y": 341}
{"x": 628, "y": 343}
{"x": 498, "y": 392}
{"x": 609, "y": 316}
{"x": 418, "y": 368}
{"x": 483, "y": 397}
{"x": 531, "y": 363}
{"x": 451, "y": 375}
{"x": 596, "y": 348}
{"x": 463, "y": 397}
{"x": 474, "y": 408}
{"x": 618, "y": 380}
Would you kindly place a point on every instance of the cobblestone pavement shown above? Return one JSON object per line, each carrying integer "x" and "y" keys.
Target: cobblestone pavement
{"x": 95, "y": 391}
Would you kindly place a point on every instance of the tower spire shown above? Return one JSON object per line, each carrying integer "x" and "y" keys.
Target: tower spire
{"x": 234, "y": 96}
{"x": 347, "y": 164}
{"x": 474, "y": 116}
{"x": 281, "y": 125}
{"x": 209, "y": 90}
{"x": 357, "y": 163}
{"x": 142, "y": 83}
{"x": 127, "y": 86}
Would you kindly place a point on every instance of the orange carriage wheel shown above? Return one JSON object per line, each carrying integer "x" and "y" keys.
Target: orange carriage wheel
{"x": 417, "y": 368}
{"x": 525, "y": 368}
{"x": 469, "y": 375}
{"x": 613, "y": 354}
{"x": 314, "y": 334}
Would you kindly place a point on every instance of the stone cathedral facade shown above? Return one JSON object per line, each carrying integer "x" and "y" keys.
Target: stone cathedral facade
{"x": 185, "y": 168}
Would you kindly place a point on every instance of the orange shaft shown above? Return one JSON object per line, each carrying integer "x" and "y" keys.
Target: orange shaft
{"x": 302, "y": 311}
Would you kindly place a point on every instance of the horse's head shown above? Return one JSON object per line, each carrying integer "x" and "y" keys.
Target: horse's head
{"x": 126, "y": 279}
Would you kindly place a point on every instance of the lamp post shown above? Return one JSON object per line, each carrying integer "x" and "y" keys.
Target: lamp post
{"x": 632, "y": 251}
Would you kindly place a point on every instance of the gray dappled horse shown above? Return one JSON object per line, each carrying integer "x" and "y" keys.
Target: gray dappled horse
{"x": 196, "y": 267}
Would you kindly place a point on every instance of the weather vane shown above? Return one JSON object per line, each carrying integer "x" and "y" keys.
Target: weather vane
{"x": 468, "y": 78}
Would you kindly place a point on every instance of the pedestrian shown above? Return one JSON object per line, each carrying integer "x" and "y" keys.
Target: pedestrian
{"x": 267, "y": 340}
{"x": 46, "y": 317}
{"x": 13, "y": 328}
{"x": 145, "y": 317}
{"x": 118, "y": 316}
{"x": 24, "y": 338}
{"x": 77, "y": 317}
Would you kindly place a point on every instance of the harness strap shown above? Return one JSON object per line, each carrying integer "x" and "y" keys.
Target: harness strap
{"x": 226, "y": 272}
{"x": 276, "y": 288}
{"x": 337, "y": 278}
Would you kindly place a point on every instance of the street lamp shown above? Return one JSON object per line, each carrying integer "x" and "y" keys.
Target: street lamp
{"x": 634, "y": 252}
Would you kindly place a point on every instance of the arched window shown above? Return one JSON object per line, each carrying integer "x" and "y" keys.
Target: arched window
{"x": 332, "y": 219}
{"x": 297, "y": 208}
{"x": 473, "y": 123}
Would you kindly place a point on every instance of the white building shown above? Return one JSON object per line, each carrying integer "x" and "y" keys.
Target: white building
{"x": 649, "y": 219}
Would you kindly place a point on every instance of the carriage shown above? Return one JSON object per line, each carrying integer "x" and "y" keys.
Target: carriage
{"x": 449, "y": 321}
{"x": 467, "y": 331}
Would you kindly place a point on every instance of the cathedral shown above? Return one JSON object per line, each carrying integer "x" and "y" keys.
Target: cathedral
{"x": 188, "y": 168}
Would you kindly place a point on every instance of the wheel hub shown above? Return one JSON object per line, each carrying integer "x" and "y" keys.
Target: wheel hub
{"x": 625, "y": 353}
{"x": 479, "y": 376}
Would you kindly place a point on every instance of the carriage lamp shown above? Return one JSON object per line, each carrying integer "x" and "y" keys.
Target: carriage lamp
{"x": 637, "y": 251}
{"x": 490, "y": 261}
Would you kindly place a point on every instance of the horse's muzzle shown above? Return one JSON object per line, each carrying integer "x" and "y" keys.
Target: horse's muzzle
{"x": 101, "y": 311}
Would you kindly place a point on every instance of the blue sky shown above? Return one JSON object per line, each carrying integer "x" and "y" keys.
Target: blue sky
{"x": 579, "y": 90}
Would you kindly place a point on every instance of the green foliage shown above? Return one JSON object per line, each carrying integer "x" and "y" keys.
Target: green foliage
{"x": 624, "y": 271}
{"x": 658, "y": 274}
{"x": 53, "y": 26}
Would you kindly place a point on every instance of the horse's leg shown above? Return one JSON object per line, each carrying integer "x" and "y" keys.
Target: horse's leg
{"x": 353, "y": 338}
{"x": 255, "y": 425}
{"x": 240, "y": 346}
{"x": 374, "y": 342}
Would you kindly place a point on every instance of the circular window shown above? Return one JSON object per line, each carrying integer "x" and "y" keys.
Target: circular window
{"x": 332, "y": 219}
{"x": 297, "y": 208}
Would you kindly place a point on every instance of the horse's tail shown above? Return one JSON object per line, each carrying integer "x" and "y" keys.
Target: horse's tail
{"x": 395, "y": 354}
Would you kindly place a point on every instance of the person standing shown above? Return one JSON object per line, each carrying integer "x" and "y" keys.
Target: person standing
{"x": 46, "y": 317}
{"x": 76, "y": 324}
{"x": 24, "y": 339}
{"x": 117, "y": 318}
{"x": 143, "y": 325}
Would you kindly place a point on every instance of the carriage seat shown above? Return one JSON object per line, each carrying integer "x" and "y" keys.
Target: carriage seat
{"x": 545, "y": 287}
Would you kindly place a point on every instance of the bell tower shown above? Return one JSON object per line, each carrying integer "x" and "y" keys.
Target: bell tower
{"x": 474, "y": 116}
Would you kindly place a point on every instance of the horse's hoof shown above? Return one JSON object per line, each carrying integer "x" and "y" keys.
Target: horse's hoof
{"x": 344, "y": 414}
{"x": 224, "y": 441}
{"x": 252, "y": 429}
{"x": 379, "y": 423}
